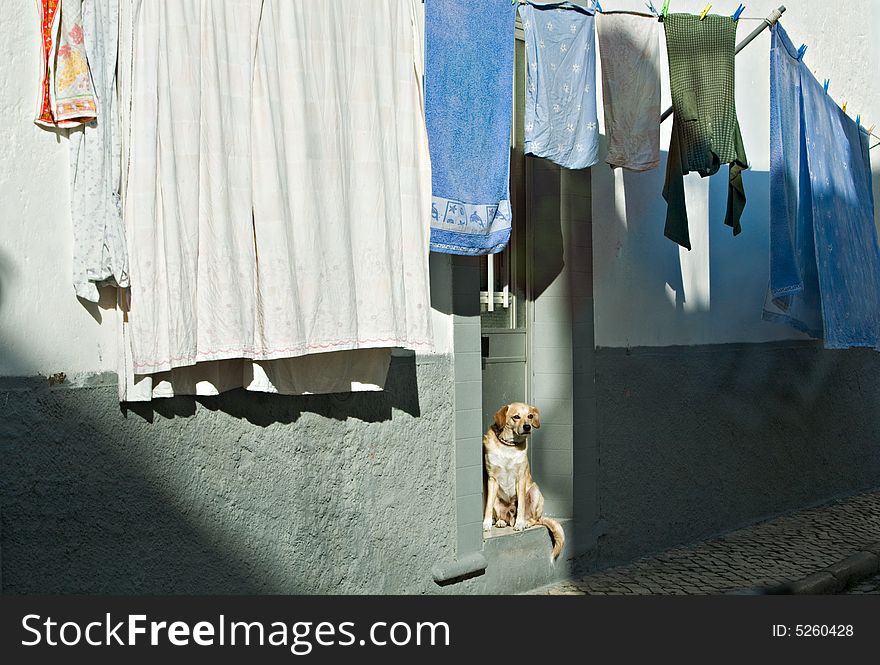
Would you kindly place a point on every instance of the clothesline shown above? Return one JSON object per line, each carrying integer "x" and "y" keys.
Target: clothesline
{"x": 765, "y": 23}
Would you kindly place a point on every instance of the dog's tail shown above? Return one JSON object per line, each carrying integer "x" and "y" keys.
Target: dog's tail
{"x": 556, "y": 533}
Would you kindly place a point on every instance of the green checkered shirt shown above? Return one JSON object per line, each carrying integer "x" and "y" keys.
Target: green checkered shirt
{"x": 705, "y": 131}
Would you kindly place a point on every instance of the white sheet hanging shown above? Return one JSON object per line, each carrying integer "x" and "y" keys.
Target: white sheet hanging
{"x": 342, "y": 182}
{"x": 188, "y": 201}
{"x": 274, "y": 206}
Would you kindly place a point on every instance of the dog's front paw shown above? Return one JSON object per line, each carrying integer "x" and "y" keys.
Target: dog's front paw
{"x": 519, "y": 526}
{"x": 487, "y": 525}
{"x": 501, "y": 524}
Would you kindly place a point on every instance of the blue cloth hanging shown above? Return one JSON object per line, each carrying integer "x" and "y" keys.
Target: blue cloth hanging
{"x": 824, "y": 255}
{"x": 561, "y": 122}
{"x": 469, "y": 49}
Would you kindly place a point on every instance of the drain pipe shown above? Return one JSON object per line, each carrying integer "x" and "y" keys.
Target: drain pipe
{"x": 470, "y": 565}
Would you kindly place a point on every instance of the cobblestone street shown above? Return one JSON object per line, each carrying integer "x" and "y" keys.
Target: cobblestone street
{"x": 871, "y": 586}
{"x": 763, "y": 556}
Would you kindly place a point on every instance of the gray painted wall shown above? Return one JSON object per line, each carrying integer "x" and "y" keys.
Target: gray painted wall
{"x": 241, "y": 493}
{"x": 468, "y": 404}
{"x": 696, "y": 441}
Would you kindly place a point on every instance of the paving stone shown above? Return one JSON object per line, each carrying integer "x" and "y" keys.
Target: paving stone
{"x": 791, "y": 548}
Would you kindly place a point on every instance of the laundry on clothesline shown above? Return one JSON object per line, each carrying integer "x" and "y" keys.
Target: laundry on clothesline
{"x": 629, "y": 46}
{"x": 561, "y": 122}
{"x": 100, "y": 256}
{"x": 468, "y": 109}
{"x": 66, "y": 96}
{"x": 705, "y": 129}
{"x": 824, "y": 254}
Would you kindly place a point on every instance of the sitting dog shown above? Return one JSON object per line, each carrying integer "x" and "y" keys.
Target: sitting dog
{"x": 512, "y": 497}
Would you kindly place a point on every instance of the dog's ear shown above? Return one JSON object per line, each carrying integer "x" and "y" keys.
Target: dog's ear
{"x": 536, "y": 421}
{"x": 501, "y": 417}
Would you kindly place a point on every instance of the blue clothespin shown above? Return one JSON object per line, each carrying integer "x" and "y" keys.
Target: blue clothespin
{"x": 826, "y": 84}
{"x": 738, "y": 11}
{"x": 859, "y": 120}
{"x": 597, "y": 6}
{"x": 801, "y": 51}
{"x": 652, "y": 8}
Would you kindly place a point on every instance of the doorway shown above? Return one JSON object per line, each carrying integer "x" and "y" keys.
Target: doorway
{"x": 504, "y": 283}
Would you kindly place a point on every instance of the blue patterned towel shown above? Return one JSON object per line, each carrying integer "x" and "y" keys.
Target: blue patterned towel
{"x": 469, "y": 49}
{"x": 561, "y": 120}
{"x": 824, "y": 256}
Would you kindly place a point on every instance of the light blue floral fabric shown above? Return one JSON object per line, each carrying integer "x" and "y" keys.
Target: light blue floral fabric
{"x": 561, "y": 122}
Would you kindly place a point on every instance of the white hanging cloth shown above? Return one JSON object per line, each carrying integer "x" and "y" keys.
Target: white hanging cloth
{"x": 629, "y": 46}
{"x": 277, "y": 184}
{"x": 342, "y": 180}
{"x": 99, "y": 251}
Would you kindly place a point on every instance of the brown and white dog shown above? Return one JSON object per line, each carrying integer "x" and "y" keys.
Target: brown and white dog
{"x": 512, "y": 497}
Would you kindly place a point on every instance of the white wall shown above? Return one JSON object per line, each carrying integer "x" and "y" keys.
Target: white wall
{"x": 648, "y": 292}
{"x": 44, "y": 329}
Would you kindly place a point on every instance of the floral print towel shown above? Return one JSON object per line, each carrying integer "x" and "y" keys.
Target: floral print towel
{"x": 66, "y": 95}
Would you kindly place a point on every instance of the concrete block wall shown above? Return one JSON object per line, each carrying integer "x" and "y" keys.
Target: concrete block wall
{"x": 562, "y": 339}
{"x": 468, "y": 403}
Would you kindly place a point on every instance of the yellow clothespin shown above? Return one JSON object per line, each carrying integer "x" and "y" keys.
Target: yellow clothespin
{"x": 705, "y": 11}
{"x": 871, "y": 130}
{"x": 844, "y": 107}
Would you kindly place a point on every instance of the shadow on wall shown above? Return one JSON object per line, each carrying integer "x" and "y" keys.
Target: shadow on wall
{"x": 264, "y": 409}
{"x": 644, "y": 219}
{"x": 106, "y": 301}
{"x": 5, "y": 277}
{"x": 650, "y": 292}
{"x": 548, "y": 201}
